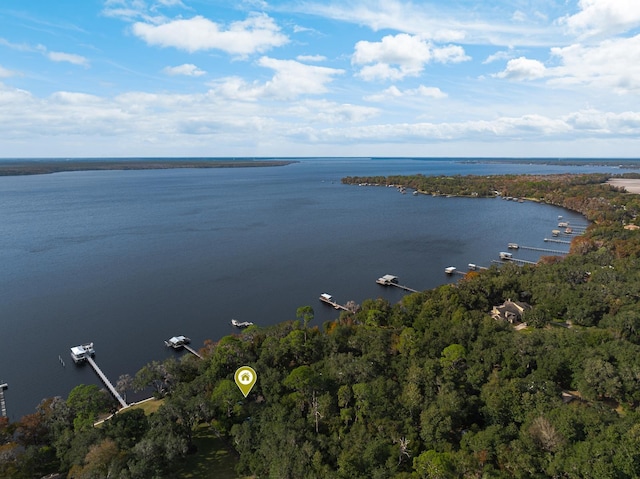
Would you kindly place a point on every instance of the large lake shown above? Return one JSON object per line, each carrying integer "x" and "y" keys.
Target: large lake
{"x": 127, "y": 259}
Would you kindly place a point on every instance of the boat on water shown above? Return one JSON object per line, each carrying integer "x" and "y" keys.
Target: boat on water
{"x": 241, "y": 324}
{"x": 505, "y": 255}
{"x": 450, "y": 269}
{"x": 80, "y": 353}
{"x": 513, "y": 246}
{"x": 177, "y": 342}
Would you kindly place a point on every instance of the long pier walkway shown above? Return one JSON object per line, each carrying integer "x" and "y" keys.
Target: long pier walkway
{"x": 406, "y": 288}
{"x": 191, "y": 350}
{"x": 327, "y": 299}
{"x": 544, "y": 250}
{"x": 552, "y": 240}
{"x": 515, "y": 260}
{"x": 337, "y": 306}
{"x": 106, "y": 381}
{"x": 3, "y": 406}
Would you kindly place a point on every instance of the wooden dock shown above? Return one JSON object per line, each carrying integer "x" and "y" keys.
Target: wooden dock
{"x": 406, "y": 288}
{"x": 3, "y": 406}
{"x": 327, "y": 298}
{"x": 516, "y": 260}
{"x": 552, "y": 240}
{"x": 106, "y": 381}
{"x": 191, "y": 350}
{"x": 546, "y": 250}
{"x": 390, "y": 280}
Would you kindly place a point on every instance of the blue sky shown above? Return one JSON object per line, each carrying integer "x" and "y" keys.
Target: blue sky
{"x": 319, "y": 78}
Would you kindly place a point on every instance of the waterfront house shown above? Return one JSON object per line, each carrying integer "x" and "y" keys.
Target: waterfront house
{"x": 511, "y": 311}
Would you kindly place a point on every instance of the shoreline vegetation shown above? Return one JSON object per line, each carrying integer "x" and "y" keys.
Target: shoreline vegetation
{"x": 432, "y": 386}
{"x": 48, "y": 166}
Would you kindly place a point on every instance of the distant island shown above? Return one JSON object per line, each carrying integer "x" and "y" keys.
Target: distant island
{"x": 15, "y": 167}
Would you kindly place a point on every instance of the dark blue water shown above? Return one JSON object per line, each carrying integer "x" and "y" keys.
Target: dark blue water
{"x": 127, "y": 259}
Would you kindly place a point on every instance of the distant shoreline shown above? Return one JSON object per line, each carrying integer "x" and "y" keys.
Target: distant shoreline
{"x": 43, "y": 167}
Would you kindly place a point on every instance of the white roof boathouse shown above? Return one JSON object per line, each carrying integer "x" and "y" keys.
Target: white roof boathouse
{"x": 80, "y": 353}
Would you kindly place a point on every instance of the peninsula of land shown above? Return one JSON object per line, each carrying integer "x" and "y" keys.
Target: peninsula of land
{"x": 15, "y": 167}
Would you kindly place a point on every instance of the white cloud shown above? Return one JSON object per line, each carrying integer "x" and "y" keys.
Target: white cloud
{"x": 131, "y": 10}
{"x": 331, "y": 112}
{"x": 6, "y": 73}
{"x": 577, "y": 125}
{"x": 311, "y": 58}
{"x": 21, "y": 47}
{"x": 450, "y": 54}
{"x": 257, "y": 33}
{"x": 603, "y": 17}
{"x": 68, "y": 57}
{"x": 523, "y": 69}
{"x": 431, "y": 92}
{"x": 611, "y": 64}
{"x": 74, "y": 98}
{"x": 291, "y": 80}
{"x": 187, "y": 69}
{"x": 500, "y": 55}
{"x": 394, "y": 92}
{"x": 519, "y": 16}
{"x": 440, "y": 21}
{"x": 146, "y": 123}
{"x": 398, "y": 56}
{"x": 171, "y": 3}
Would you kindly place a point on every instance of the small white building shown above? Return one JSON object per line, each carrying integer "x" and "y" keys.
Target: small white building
{"x": 327, "y": 298}
{"x": 80, "y": 353}
{"x": 387, "y": 279}
{"x": 177, "y": 342}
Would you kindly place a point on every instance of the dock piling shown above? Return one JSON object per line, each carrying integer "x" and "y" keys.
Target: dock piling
{"x": 3, "y": 406}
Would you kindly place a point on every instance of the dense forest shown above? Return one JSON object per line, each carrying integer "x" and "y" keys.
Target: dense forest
{"x": 431, "y": 387}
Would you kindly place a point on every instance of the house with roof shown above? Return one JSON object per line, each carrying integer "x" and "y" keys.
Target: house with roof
{"x": 510, "y": 311}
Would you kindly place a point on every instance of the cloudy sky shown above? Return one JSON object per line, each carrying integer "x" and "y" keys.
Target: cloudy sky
{"x": 553, "y": 78}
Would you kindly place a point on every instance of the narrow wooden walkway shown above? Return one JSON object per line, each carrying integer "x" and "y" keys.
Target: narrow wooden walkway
{"x": 192, "y": 351}
{"x": 106, "y": 381}
{"x": 551, "y": 240}
{"x": 335, "y": 305}
{"x": 532, "y": 248}
{"x": 516, "y": 260}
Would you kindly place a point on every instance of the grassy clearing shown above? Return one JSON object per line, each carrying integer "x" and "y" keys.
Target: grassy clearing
{"x": 213, "y": 460}
{"x": 149, "y": 407}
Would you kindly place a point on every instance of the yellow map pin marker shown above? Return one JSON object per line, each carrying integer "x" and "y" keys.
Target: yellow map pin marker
{"x": 245, "y": 378}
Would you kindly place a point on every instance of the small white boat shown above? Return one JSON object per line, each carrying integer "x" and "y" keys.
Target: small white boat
{"x": 241, "y": 324}
{"x": 505, "y": 255}
{"x": 450, "y": 270}
{"x": 513, "y": 246}
{"x": 177, "y": 342}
